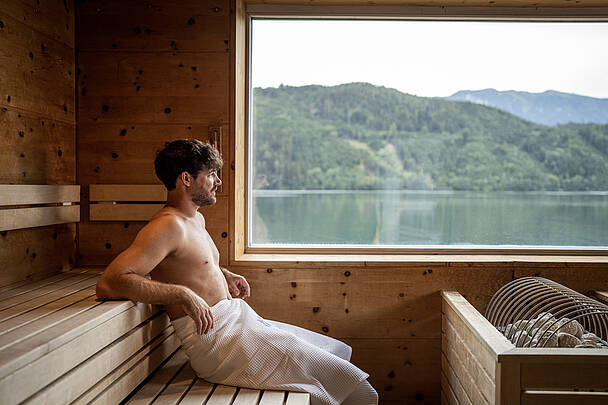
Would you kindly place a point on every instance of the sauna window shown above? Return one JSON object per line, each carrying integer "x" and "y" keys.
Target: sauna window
{"x": 426, "y": 134}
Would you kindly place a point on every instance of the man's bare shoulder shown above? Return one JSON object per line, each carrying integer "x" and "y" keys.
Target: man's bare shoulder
{"x": 166, "y": 223}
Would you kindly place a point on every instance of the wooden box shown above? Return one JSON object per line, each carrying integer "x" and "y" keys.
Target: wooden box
{"x": 480, "y": 366}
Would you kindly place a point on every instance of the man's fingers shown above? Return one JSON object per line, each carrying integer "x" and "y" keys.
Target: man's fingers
{"x": 199, "y": 325}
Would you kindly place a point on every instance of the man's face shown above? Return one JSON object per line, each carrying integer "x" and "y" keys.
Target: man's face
{"x": 205, "y": 186}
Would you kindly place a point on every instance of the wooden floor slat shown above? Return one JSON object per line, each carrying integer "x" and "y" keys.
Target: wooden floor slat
{"x": 39, "y": 293}
{"x": 247, "y": 396}
{"x": 273, "y": 398}
{"x": 45, "y": 310}
{"x": 222, "y": 395}
{"x": 148, "y": 393}
{"x": 198, "y": 393}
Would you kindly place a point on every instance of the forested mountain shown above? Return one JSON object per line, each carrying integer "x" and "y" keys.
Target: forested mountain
{"x": 548, "y": 108}
{"x": 360, "y": 136}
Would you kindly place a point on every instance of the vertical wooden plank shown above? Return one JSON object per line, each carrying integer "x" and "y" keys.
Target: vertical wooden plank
{"x": 273, "y": 398}
{"x": 508, "y": 382}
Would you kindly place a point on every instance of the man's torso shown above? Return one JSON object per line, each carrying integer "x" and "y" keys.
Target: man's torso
{"x": 194, "y": 264}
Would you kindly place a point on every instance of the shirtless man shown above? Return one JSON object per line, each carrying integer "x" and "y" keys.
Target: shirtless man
{"x": 183, "y": 262}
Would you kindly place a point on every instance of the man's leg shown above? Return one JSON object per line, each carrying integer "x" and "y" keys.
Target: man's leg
{"x": 326, "y": 343}
{"x": 364, "y": 394}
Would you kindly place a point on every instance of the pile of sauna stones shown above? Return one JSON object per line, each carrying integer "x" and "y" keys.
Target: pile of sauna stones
{"x": 546, "y": 331}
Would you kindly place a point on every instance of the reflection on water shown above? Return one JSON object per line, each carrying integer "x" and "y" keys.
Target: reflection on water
{"x": 429, "y": 218}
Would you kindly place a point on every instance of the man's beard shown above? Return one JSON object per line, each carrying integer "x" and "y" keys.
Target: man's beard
{"x": 203, "y": 199}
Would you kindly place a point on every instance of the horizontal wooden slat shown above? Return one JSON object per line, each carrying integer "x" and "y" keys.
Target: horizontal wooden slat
{"x": 78, "y": 380}
{"x": 127, "y": 192}
{"x": 454, "y": 382}
{"x": 486, "y": 356}
{"x": 38, "y": 216}
{"x": 67, "y": 326}
{"x": 16, "y": 194}
{"x": 133, "y": 376}
{"x": 602, "y": 296}
{"x": 123, "y": 212}
{"x": 564, "y": 398}
{"x": 27, "y": 286}
{"x": 481, "y": 337}
{"x": 448, "y": 391}
{"x": 580, "y": 371}
{"x": 466, "y": 364}
{"x": 28, "y": 379}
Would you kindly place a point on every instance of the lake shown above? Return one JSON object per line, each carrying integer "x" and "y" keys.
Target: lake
{"x": 429, "y": 218}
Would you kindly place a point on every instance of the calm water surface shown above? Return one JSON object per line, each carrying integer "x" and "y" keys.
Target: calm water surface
{"x": 430, "y": 218}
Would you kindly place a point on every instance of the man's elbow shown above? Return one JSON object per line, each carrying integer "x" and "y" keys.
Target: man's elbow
{"x": 104, "y": 290}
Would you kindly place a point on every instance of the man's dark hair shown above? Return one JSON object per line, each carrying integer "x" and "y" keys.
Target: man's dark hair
{"x": 185, "y": 155}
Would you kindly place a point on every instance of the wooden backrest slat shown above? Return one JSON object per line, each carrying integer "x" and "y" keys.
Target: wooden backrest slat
{"x": 20, "y": 194}
{"x": 123, "y": 212}
{"x": 247, "y": 397}
{"x": 127, "y": 192}
{"x": 19, "y": 218}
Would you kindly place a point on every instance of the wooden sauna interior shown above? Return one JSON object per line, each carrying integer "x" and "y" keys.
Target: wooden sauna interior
{"x": 91, "y": 89}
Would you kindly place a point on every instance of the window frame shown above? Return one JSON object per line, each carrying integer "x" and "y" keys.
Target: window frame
{"x": 241, "y": 249}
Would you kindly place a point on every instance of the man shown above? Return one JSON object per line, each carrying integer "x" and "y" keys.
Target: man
{"x": 226, "y": 341}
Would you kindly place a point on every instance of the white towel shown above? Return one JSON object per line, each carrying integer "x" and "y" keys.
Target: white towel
{"x": 245, "y": 350}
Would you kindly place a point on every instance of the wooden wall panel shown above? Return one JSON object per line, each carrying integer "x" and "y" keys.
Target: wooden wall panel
{"x": 148, "y": 74}
{"x": 36, "y": 149}
{"x": 37, "y": 71}
{"x": 172, "y": 26}
{"x": 37, "y": 126}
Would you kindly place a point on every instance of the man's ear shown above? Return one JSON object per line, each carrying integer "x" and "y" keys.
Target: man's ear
{"x": 185, "y": 178}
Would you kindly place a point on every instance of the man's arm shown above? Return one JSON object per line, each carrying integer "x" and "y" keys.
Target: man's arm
{"x": 238, "y": 285}
{"x": 124, "y": 277}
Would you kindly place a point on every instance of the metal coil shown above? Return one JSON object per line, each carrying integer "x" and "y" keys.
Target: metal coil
{"x": 537, "y": 312}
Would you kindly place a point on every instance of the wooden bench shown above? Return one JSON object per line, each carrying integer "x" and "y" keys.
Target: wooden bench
{"x": 60, "y": 345}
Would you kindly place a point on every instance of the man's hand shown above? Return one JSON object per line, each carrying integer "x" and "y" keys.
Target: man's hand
{"x": 197, "y": 309}
{"x": 237, "y": 284}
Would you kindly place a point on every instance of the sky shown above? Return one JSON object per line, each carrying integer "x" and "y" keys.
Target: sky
{"x": 433, "y": 58}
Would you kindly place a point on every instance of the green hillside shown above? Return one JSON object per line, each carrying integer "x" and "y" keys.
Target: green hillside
{"x": 359, "y": 136}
